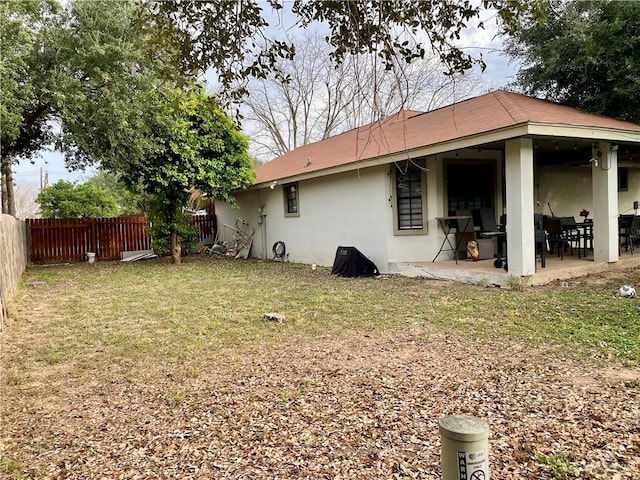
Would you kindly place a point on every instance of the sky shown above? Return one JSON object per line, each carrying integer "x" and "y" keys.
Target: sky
{"x": 499, "y": 72}
{"x": 51, "y": 165}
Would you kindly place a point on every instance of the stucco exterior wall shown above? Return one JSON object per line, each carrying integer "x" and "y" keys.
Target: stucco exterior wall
{"x": 569, "y": 190}
{"x": 626, "y": 199}
{"x": 349, "y": 209}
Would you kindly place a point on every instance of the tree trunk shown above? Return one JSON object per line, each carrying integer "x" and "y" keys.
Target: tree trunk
{"x": 3, "y": 193}
{"x": 175, "y": 248}
{"x": 8, "y": 197}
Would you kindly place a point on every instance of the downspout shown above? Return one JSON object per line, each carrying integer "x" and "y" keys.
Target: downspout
{"x": 262, "y": 220}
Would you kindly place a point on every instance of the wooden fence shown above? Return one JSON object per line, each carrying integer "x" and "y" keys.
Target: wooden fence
{"x": 68, "y": 240}
{"x": 207, "y": 226}
{"x": 13, "y": 259}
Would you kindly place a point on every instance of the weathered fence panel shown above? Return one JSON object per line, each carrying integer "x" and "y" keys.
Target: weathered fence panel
{"x": 13, "y": 259}
{"x": 206, "y": 226}
{"x": 68, "y": 240}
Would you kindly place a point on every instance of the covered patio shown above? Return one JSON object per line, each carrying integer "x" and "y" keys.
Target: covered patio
{"x": 483, "y": 272}
{"x": 552, "y": 162}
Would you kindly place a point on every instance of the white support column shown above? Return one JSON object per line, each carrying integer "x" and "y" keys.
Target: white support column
{"x": 521, "y": 248}
{"x": 604, "y": 185}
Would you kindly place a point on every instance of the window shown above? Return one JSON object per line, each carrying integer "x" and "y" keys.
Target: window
{"x": 291, "y": 207}
{"x": 410, "y": 205}
{"x": 469, "y": 186}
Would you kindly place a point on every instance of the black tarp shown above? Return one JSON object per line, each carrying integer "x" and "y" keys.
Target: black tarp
{"x": 350, "y": 262}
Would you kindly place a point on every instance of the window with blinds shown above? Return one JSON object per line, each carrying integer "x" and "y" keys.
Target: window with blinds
{"x": 409, "y": 199}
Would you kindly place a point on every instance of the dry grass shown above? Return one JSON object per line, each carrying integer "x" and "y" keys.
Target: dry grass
{"x": 143, "y": 370}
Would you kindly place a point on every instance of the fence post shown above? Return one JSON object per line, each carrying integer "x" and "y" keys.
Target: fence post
{"x": 465, "y": 451}
{"x": 27, "y": 226}
{"x": 94, "y": 237}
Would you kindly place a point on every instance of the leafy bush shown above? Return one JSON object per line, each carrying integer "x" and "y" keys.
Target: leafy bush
{"x": 160, "y": 231}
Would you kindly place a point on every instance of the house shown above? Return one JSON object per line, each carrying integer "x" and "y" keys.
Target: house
{"x": 382, "y": 187}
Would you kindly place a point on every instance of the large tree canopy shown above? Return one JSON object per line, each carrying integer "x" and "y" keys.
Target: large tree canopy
{"x": 237, "y": 40}
{"x": 198, "y": 147}
{"x": 586, "y": 54}
{"x": 23, "y": 115}
{"x": 80, "y": 74}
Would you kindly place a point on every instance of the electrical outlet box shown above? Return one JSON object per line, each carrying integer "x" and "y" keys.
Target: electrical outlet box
{"x": 635, "y": 205}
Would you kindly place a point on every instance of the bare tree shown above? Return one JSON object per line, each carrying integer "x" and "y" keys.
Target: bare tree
{"x": 303, "y": 102}
{"x": 25, "y": 200}
{"x": 311, "y": 99}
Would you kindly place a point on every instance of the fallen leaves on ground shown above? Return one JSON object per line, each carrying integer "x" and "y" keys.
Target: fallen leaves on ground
{"x": 365, "y": 407}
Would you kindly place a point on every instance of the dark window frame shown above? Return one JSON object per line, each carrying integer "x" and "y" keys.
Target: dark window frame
{"x": 291, "y": 199}
{"x": 410, "y": 205}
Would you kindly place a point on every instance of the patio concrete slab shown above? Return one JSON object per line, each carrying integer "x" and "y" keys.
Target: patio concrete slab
{"x": 484, "y": 273}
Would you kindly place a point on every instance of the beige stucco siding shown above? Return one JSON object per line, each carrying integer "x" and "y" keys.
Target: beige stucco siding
{"x": 355, "y": 208}
{"x": 568, "y": 190}
{"x": 349, "y": 209}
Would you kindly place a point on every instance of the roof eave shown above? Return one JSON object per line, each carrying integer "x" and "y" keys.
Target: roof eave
{"x": 472, "y": 141}
{"x": 584, "y": 131}
{"x": 424, "y": 151}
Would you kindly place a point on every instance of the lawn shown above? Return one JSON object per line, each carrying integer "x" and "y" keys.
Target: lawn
{"x": 144, "y": 370}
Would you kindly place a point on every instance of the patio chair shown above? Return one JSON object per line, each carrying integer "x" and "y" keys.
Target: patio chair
{"x": 501, "y": 259}
{"x": 572, "y": 234}
{"x": 540, "y": 237}
{"x": 490, "y": 230}
{"x": 555, "y": 234}
{"x": 586, "y": 229}
{"x": 628, "y": 231}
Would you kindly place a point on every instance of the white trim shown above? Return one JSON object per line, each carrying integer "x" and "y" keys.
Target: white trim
{"x": 581, "y": 131}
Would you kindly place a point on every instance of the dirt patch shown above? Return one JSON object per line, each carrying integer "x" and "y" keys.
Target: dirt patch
{"x": 624, "y": 374}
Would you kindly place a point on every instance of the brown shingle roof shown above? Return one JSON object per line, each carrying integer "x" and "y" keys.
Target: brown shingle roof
{"x": 409, "y": 130}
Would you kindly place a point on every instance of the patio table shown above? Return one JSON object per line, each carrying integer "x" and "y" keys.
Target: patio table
{"x": 445, "y": 224}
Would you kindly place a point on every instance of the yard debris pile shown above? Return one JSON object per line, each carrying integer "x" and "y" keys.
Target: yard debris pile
{"x": 365, "y": 408}
{"x": 137, "y": 255}
{"x": 234, "y": 241}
